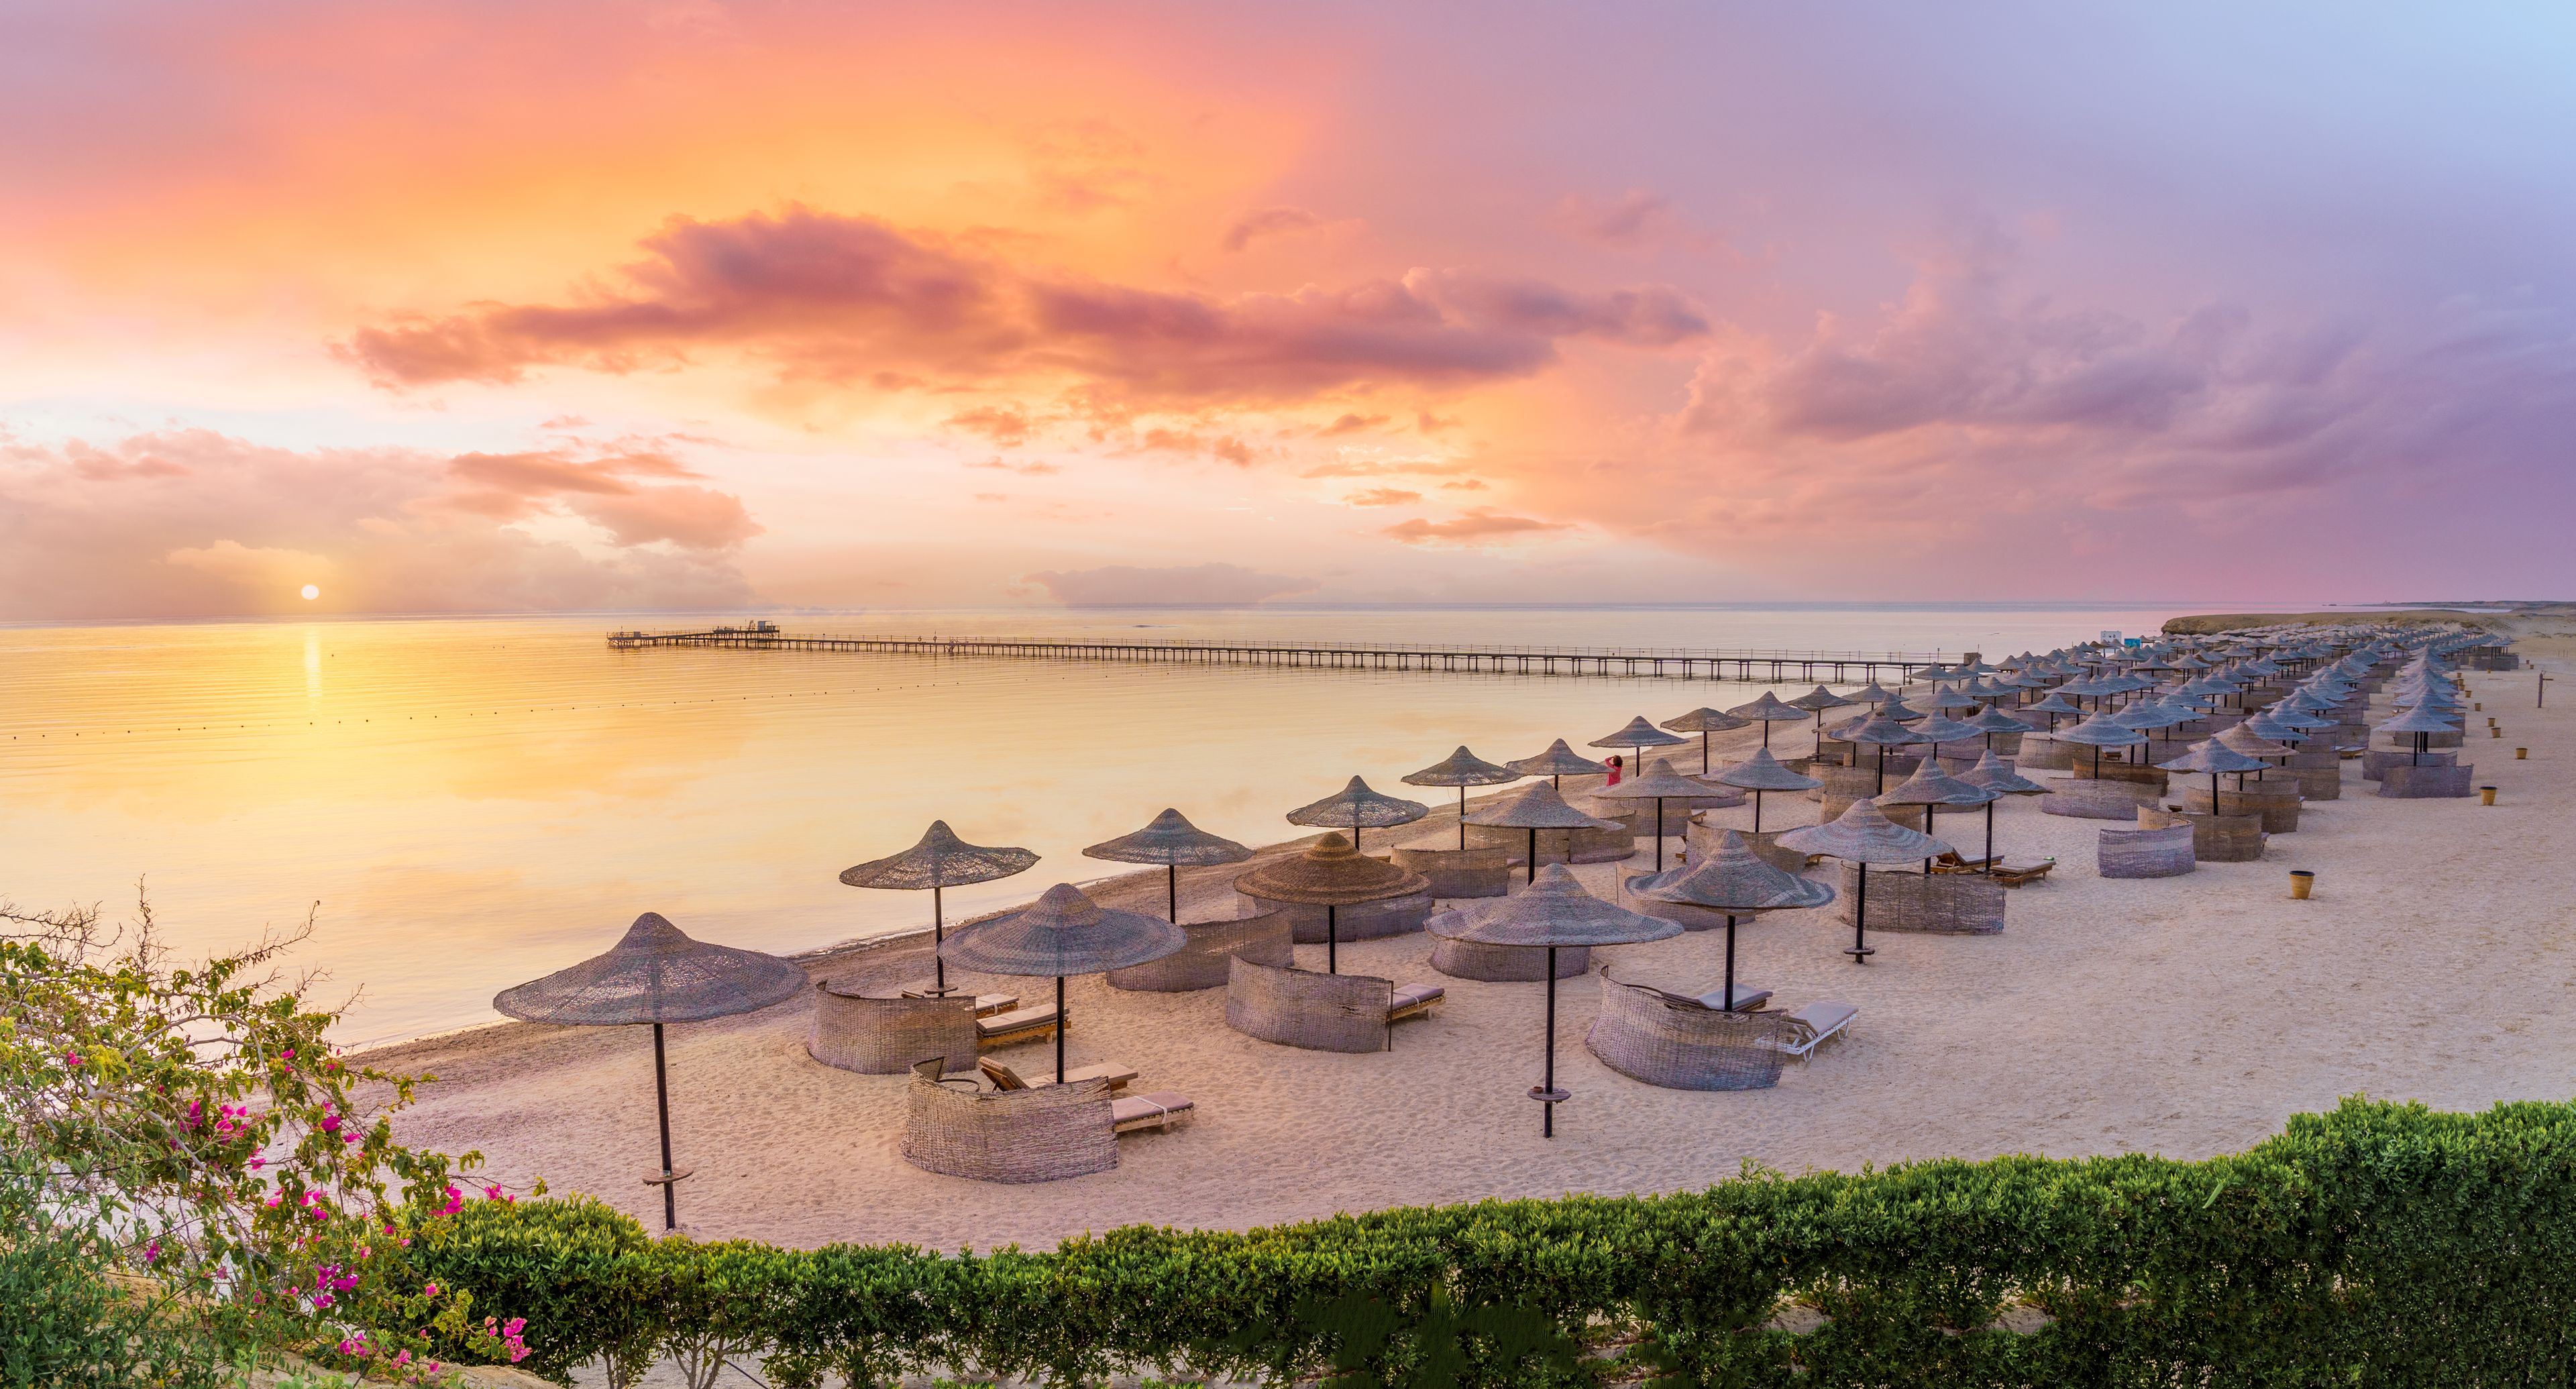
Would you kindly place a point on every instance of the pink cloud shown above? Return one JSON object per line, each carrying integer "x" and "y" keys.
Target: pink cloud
{"x": 1477, "y": 526}
{"x": 847, "y": 298}
{"x": 1381, "y": 496}
{"x": 1268, "y": 221}
{"x": 233, "y": 528}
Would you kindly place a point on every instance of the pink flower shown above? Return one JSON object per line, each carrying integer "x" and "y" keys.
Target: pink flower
{"x": 71, "y": 1058}
{"x": 152, "y": 1252}
{"x": 455, "y": 1202}
{"x": 430, "y": 1291}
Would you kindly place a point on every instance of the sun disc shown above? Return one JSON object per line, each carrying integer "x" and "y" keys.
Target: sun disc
{"x": 311, "y": 592}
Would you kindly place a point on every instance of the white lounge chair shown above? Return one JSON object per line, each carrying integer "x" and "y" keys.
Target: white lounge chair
{"x": 1160, "y": 1110}
{"x": 1818, "y": 1022}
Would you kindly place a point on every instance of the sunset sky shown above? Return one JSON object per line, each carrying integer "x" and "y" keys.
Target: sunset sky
{"x": 498, "y": 307}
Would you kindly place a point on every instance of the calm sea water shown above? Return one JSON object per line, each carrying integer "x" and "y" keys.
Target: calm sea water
{"x": 466, "y": 804}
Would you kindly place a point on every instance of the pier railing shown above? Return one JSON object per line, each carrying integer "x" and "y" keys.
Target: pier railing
{"x": 1836, "y": 667}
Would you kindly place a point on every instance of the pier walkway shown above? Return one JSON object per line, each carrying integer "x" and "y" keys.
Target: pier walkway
{"x": 1774, "y": 667}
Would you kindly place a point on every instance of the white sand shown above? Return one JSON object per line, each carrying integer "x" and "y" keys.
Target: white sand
{"x": 2184, "y": 1016}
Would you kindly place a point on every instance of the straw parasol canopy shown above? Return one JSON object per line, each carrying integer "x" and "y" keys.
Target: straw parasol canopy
{"x": 1638, "y": 736}
{"x": 1871, "y": 694}
{"x": 1946, "y": 698}
{"x": 2052, "y": 705}
{"x": 1864, "y": 836}
{"x": 1931, "y": 787}
{"x": 2250, "y": 743}
{"x": 1762, "y": 772}
{"x": 1172, "y": 841}
{"x": 1536, "y": 807}
{"x": 656, "y": 974}
{"x": 1332, "y": 875}
{"x": 1660, "y": 784}
{"x": 1064, "y": 932}
{"x": 1557, "y": 762}
{"x": 1818, "y": 700}
{"x": 2216, "y": 758}
{"x": 940, "y": 861}
{"x": 1881, "y": 732}
{"x": 1356, "y": 807}
{"x": 1768, "y": 710}
{"x": 2424, "y": 720}
{"x": 1734, "y": 880}
{"x": 1462, "y": 769}
{"x": 1705, "y": 721}
{"x": 1991, "y": 721}
{"x": 1552, "y": 914}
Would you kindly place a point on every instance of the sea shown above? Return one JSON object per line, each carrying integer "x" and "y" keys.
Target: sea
{"x": 457, "y": 805}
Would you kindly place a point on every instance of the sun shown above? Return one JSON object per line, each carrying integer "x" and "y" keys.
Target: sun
{"x": 311, "y": 592}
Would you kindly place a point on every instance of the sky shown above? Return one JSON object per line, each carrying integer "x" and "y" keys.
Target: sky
{"x": 482, "y": 307}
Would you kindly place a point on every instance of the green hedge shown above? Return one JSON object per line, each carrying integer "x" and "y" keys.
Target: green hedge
{"x": 2374, "y": 1245}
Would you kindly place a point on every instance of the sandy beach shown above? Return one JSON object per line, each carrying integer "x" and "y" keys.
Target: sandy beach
{"x": 2185, "y": 1016}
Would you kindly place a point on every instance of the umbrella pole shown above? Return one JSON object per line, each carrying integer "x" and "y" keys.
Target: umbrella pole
{"x": 1059, "y": 1029}
{"x": 1730, "y": 962}
{"x": 1882, "y": 770}
{"x": 1332, "y": 940}
{"x": 1462, "y": 818}
{"x": 1927, "y": 829}
{"x": 1860, "y": 951}
{"x": 1757, "y": 810}
{"x": 1172, "y": 889}
{"x": 662, "y": 1102}
{"x": 1659, "y": 834}
{"x": 938, "y": 938}
{"x": 1547, "y": 1094}
{"x": 1990, "y": 839}
{"x": 1703, "y": 746}
{"x": 1532, "y": 864}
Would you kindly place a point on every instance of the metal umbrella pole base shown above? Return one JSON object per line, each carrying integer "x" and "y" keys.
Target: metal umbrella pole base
{"x": 1546, "y": 1093}
{"x": 1860, "y": 949}
{"x": 669, "y": 1177}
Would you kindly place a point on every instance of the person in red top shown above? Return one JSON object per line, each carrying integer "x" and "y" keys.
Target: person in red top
{"x": 1616, "y": 767}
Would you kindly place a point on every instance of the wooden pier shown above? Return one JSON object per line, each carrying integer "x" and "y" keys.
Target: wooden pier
{"x": 1772, "y": 667}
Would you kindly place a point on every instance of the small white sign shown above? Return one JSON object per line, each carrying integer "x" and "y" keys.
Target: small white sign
{"x": 2110, "y": 636}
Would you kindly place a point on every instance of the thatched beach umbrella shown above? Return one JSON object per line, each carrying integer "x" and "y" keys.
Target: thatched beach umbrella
{"x": 1660, "y": 784}
{"x": 1991, "y": 721}
{"x": 1553, "y": 913}
{"x": 1939, "y": 729}
{"x": 1556, "y": 764}
{"x": 2053, "y": 705}
{"x": 1881, "y": 733}
{"x": 940, "y": 861}
{"x": 2099, "y": 732}
{"x": 2423, "y": 721}
{"x": 1994, "y": 774}
{"x": 1638, "y": 736}
{"x": 1930, "y": 788}
{"x": 2215, "y": 758}
{"x": 1536, "y": 808}
{"x": 1737, "y": 881}
{"x": 1949, "y": 699}
{"x": 1863, "y": 836}
{"x": 1705, "y": 721}
{"x": 1356, "y": 806}
{"x": 656, "y": 975}
{"x": 1816, "y": 702}
{"x": 1762, "y": 772}
{"x": 1332, "y": 875}
{"x": 1063, "y": 933}
{"x": 1871, "y": 694}
{"x": 1769, "y": 710}
{"x": 1461, "y": 769}
{"x": 1172, "y": 841}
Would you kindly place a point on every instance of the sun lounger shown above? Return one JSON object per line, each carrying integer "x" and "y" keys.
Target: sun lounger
{"x": 2017, "y": 872}
{"x": 1747, "y": 1000}
{"x": 1413, "y": 1001}
{"x": 1162, "y": 1109}
{"x": 1817, "y": 1023}
{"x": 1003, "y": 1077}
{"x": 985, "y": 1004}
{"x": 1950, "y": 862}
{"x": 1017, "y": 1025}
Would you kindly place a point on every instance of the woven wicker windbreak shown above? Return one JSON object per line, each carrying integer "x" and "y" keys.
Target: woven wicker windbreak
{"x": 1931, "y": 786}
{"x": 1064, "y": 933}
{"x": 1558, "y": 760}
{"x": 1330, "y": 874}
{"x": 1734, "y": 879}
{"x": 1356, "y": 806}
{"x": 1553, "y": 910}
{"x": 1640, "y": 734}
{"x": 2000, "y": 777}
{"x": 1864, "y": 834}
{"x": 941, "y": 859}
{"x": 655, "y": 974}
{"x": 866, "y": 1025}
{"x": 2144, "y": 853}
{"x": 1202, "y": 964}
{"x": 1462, "y": 768}
{"x": 1819, "y": 699}
{"x": 1170, "y": 840}
{"x": 1018, "y": 1136}
{"x": 1706, "y": 720}
{"x": 1760, "y": 771}
{"x": 1536, "y": 807}
{"x": 1683, "y": 1044}
{"x": 1299, "y": 1008}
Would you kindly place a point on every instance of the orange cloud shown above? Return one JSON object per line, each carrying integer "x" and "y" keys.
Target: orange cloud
{"x": 1381, "y": 496}
{"x": 1479, "y": 525}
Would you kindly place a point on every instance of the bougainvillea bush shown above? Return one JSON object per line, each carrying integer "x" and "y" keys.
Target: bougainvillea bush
{"x": 198, "y": 1167}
